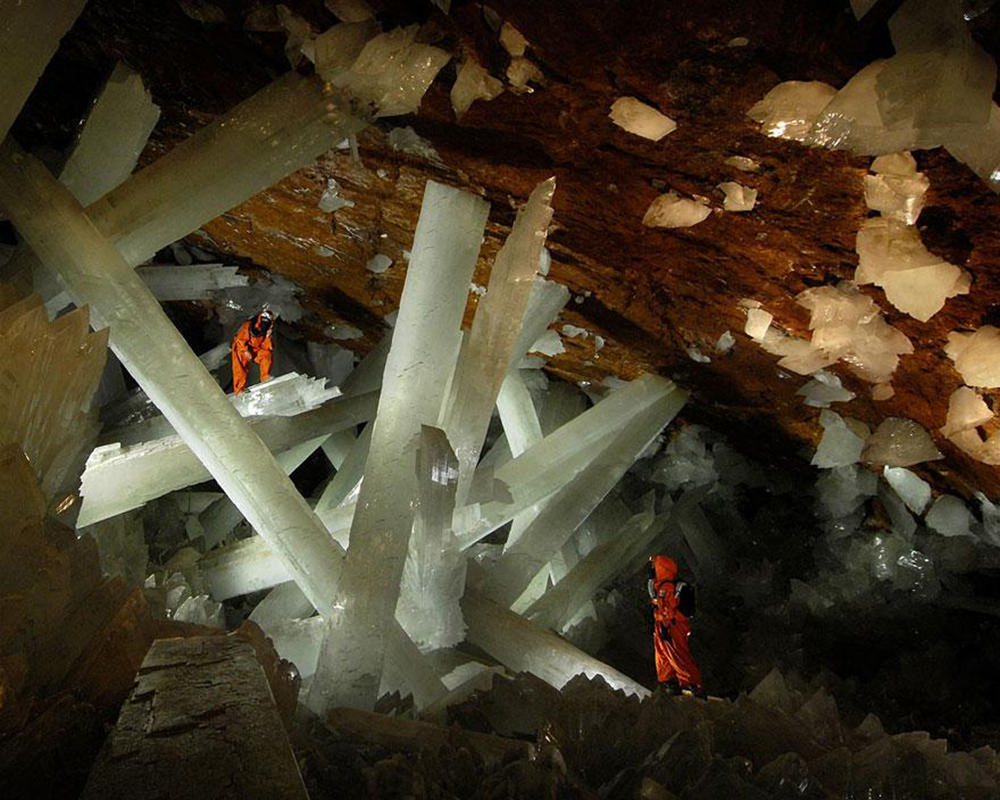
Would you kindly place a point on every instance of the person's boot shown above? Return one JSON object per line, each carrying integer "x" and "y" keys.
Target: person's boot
{"x": 699, "y": 692}
{"x": 671, "y": 688}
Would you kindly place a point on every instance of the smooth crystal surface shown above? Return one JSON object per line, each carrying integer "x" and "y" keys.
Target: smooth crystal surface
{"x": 418, "y": 371}
{"x": 976, "y": 356}
{"x": 900, "y": 442}
{"x": 635, "y": 116}
{"x": 673, "y": 211}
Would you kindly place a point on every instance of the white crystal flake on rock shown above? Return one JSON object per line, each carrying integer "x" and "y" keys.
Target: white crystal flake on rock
{"x": 473, "y": 83}
{"x": 392, "y": 72}
{"x": 900, "y": 442}
{"x": 378, "y": 263}
{"x": 949, "y": 516}
{"x": 891, "y": 255}
{"x": 512, "y": 40}
{"x": 673, "y": 211}
{"x": 976, "y": 356}
{"x": 913, "y": 490}
{"x": 823, "y": 389}
{"x": 331, "y": 200}
{"x": 966, "y": 413}
{"x": 840, "y": 446}
{"x": 738, "y": 197}
{"x": 896, "y": 194}
{"x": 758, "y": 322}
{"x": 635, "y": 116}
{"x": 725, "y": 342}
{"x": 743, "y": 163}
{"x": 789, "y": 109}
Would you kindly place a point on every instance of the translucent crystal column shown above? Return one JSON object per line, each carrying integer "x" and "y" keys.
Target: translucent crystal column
{"x": 549, "y": 465}
{"x": 434, "y": 574}
{"x": 119, "y": 478}
{"x": 29, "y": 35}
{"x": 560, "y": 604}
{"x": 564, "y": 512}
{"x": 418, "y": 368}
{"x": 149, "y": 346}
{"x": 112, "y": 137}
{"x": 488, "y": 346}
{"x": 523, "y": 646}
{"x": 283, "y": 127}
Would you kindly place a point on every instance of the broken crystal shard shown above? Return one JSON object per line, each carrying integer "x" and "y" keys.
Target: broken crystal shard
{"x": 331, "y": 200}
{"x": 842, "y": 489}
{"x": 913, "y": 491}
{"x": 789, "y": 110}
{"x": 862, "y": 7}
{"x": 522, "y": 645}
{"x": 673, "y": 211}
{"x": 742, "y": 163}
{"x": 200, "y": 609}
{"x": 473, "y": 83}
{"x": 976, "y": 356}
{"x": 823, "y": 389}
{"x": 488, "y": 348}
{"x": 196, "y": 282}
{"x": 121, "y": 478}
{"x": 512, "y": 40}
{"x": 848, "y": 326}
{"x": 634, "y": 116}
{"x": 548, "y": 344}
{"x": 112, "y": 138}
{"x": 891, "y": 255}
{"x": 392, "y": 72}
{"x": 840, "y": 445}
{"x": 28, "y": 39}
{"x": 758, "y": 321}
{"x": 350, "y": 10}
{"x": 378, "y": 263}
{"x": 896, "y": 189}
{"x": 517, "y": 414}
{"x": 336, "y": 49}
{"x": 725, "y": 342}
{"x": 949, "y": 516}
{"x": 566, "y": 510}
{"x": 966, "y": 410}
{"x": 433, "y": 578}
{"x": 418, "y": 370}
{"x": 738, "y": 197}
{"x": 900, "y": 442}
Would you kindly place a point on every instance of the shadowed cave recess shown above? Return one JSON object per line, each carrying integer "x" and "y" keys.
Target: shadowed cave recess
{"x": 557, "y": 287}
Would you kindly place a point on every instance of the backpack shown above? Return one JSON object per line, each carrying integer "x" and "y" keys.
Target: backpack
{"x": 685, "y": 599}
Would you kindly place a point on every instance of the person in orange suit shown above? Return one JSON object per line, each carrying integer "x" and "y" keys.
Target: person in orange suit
{"x": 673, "y": 604}
{"x": 253, "y": 343}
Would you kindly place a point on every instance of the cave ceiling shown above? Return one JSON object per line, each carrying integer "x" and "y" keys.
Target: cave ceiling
{"x": 653, "y": 295}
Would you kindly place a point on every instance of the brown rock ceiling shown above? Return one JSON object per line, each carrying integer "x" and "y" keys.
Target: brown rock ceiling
{"x": 650, "y": 293}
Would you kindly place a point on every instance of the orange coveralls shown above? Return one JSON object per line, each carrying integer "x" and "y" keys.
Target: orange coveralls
{"x": 671, "y": 629}
{"x": 252, "y": 343}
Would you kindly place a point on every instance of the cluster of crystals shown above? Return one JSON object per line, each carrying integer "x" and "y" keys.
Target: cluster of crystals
{"x": 937, "y": 90}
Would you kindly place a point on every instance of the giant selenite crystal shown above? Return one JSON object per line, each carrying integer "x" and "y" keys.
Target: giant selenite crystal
{"x": 149, "y": 346}
{"x": 434, "y": 573}
{"x": 29, "y": 36}
{"x": 421, "y": 360}
{"x": 562, "y": 514}
{"x": 112, "y": 138}
{"x": 488, "y": 348}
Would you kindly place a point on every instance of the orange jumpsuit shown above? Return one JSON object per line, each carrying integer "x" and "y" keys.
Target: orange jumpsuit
{"x": 252, "y": 343}
{"x": 671, "y": 628}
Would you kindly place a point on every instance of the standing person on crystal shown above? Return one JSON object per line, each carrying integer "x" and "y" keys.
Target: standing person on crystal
{"x": 253, "y": 343}
{"x": 673, "y": 604}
